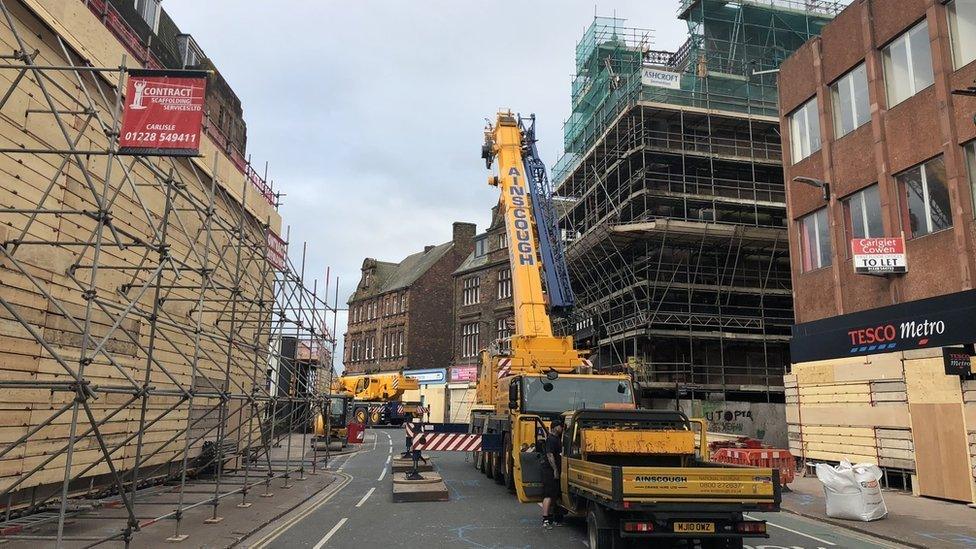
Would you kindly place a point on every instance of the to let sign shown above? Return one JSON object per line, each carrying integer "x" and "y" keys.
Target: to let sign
{"x": 163, "y": 112}
{"x": 879, "y": 255}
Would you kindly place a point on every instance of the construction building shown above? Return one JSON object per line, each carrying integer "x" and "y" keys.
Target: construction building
{"x": 143, "y": 299}
{"x": 483, "y": 313}
{"x": 672, "y": 199}
{"x": 877, "y": 119}
{"x": 400, "y": 317}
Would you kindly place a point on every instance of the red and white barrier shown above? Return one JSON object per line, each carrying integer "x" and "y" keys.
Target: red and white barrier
{"x": 447, "y": 442}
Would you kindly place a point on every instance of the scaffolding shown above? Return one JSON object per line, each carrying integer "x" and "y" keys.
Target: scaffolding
{"x": 673, "y": 203}
{"x": 147, "y": 337}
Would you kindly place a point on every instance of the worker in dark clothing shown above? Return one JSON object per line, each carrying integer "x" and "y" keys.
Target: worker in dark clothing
{"x": 550, "y": 471}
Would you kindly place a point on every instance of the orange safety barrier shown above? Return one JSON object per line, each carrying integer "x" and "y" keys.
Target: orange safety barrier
{"x": 760, "y": 457}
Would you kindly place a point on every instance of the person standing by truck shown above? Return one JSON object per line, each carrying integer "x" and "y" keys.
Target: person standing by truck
{"x": 550, "y": 471}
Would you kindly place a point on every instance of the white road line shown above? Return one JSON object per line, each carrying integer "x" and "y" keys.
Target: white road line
{"x": 383, "y": 474}
{"x": 388, "y": 460}
{"x": 332, "y": 532}
{"x": 362, "y": 501}
{"x": 271, "y": 536}
{"x": 774, "y": 525}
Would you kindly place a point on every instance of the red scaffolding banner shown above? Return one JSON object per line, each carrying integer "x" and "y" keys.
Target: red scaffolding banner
{"x": 163, "y": 112}
{"x": 277, "y": 251}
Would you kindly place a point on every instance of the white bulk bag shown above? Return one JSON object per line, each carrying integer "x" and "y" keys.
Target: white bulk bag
{"x": 852, "y": 491}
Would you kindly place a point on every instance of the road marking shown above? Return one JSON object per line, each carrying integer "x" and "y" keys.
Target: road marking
{"x": 774, "y": 525}
{"x": 388, "y": 459}
{"x": 383, "y": 474}
{"x": 362, "y": 501}
{"x": 263, "y": 542}
{"x": 332, "y": 532}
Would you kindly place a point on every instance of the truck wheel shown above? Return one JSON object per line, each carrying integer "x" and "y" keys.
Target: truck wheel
{"x": 375, "y": 417}
{"x": 361, "y": 415}
{"x": 509, "y": 464}
{"x": 499, "y": 469}
{"x": 599, "y": 530}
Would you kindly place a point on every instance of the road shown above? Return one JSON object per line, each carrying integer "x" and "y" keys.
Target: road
{"x": 358, "y": 512}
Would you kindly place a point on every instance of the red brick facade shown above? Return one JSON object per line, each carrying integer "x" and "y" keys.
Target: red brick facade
{"x": 400, "y": 314}
{"x": 930, "y": 124}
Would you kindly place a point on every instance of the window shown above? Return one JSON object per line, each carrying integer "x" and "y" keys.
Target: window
{"x": 503, "y": 330}
{"x": 908, "y": 64}
{"x": 403, "y": 302}
{"x": 370, "y": 347}
{"x": 386, "y": 346}
{"x": 400, "y": 343}
{"x": 480, "y": 247}
{"x": 926, "y": 208}
{"x": 851, "y": 105}
{"x": 815, "y": 240}
{"x": 971, "y": 168}
{"x": 502, "y": 241}
{"x": 962, "y": 31}
{"x": 505, "y": 283}
{"x": 862, "y": 211}
{"x": 149, "y": 11}
{"x": 805, "y": 130}
{"x": 469, "y": 339}
{"x": 471, "y": 292}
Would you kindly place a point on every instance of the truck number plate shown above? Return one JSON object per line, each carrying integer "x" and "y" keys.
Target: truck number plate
{"x": 695, "y": 527}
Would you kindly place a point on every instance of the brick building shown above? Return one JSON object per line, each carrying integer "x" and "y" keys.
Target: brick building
{"x": 400, "y": 314}
{"x": 884, "y": 149}
{"x": 483, "y": 313}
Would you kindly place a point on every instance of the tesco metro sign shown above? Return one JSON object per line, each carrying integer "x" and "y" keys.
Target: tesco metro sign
{"x": 879, "y": 255}
{"x": 926, "y": 323}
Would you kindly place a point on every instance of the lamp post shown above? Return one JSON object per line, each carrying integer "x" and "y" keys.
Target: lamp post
{"x": 822, "y": 185}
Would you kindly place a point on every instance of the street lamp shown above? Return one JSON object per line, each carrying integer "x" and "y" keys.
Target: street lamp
{"x": 822, "y": 185}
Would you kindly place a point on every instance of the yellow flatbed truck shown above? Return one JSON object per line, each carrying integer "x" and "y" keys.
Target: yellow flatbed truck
{"x": 637, "y": 475}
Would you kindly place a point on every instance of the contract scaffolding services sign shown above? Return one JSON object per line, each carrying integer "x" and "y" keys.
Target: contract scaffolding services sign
{"x": 879, "y": 256}
{"x": 163, "y": 113}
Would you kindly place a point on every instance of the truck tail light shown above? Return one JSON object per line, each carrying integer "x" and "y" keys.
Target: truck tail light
{"x": 638, "y": 526}
{"x": 751, "y": 527}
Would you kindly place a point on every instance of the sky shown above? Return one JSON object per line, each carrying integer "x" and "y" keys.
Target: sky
{"x": 370, "y": 113}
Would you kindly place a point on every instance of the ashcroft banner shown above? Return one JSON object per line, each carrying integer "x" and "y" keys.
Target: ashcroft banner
{"x": 660, "y": 79}
{"x": 933, "y": 322}
{"x": 163, "y": 112}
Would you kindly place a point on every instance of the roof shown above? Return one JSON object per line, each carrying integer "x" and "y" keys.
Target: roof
{"x": 396, "y": 276}
{"x": 472, "y": 263}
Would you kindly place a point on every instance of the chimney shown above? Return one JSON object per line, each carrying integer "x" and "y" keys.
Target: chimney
{"x": 428, "y": 248}
{"x": 464, "y": 233}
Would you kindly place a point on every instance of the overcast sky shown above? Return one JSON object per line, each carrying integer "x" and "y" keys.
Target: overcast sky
{"x": 370, "y": 113}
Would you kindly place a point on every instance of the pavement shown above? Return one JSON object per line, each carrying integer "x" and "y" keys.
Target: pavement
{"x": 358, "y": 512}
{"x": 86, "y": 528}
{"x": 912, "y": 521}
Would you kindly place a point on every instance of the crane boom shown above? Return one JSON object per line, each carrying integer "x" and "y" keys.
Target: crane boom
{"x": 534, "y": 348}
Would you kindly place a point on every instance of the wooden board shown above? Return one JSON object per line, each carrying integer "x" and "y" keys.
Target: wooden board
{"x": 941, "y": 452}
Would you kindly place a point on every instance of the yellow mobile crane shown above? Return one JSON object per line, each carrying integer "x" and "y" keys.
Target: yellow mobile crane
{"x": 376, "y": 397}
{"x": 632, "y": 473}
